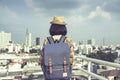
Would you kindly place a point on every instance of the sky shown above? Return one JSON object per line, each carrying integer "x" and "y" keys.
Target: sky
{"x": 86, "y": 19}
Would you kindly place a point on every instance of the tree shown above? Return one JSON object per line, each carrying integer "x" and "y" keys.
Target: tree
{"x": 33, "y": 51}
{"x": 103, "y": 56}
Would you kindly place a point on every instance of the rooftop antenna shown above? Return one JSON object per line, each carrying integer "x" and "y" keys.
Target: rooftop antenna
{"x": 103, "y": 41}
{"x": 27, "y": 31}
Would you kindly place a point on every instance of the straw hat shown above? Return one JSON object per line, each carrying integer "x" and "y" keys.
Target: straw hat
{"x": 58, "y": 20}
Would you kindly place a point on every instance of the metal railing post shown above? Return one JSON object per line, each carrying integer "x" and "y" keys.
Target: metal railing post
{"x": 89, "y": 69}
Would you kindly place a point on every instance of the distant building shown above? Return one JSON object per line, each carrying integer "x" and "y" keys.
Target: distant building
{"x": 112, "y": 74}
{"x": 10, "y": 47}
{"x": 37, "y": 41}
{"x": 85, "y": 49}
{"x": 27, "y": 41}
{"x": 118, "y": 52}
{"x": 91, "y": 42}
{"x": 17, "y": 48}
{"x": 4, "y": 39}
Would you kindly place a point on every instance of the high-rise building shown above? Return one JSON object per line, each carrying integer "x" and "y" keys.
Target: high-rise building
{"x": 37, "y": 41}
{"x": 27, "y": 41}
{"x": 4, "y": 39}
{"x": 91, "y": 42}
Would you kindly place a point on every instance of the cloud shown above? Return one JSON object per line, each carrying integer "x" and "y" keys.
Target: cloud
{"x": 7, "y": 16}
{"x": 82, "y": 9}
{"x": 99, "y": 13}
{"x": 113, "y": 6}
{"x": 5, "y": 11}
{"x": 53, "y": 6}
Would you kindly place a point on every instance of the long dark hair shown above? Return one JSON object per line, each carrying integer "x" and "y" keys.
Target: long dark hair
{"x": 56, "y": 29}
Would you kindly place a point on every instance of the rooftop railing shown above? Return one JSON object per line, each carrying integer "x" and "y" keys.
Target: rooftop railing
{"x": 96, "y": 61}
{"x": 76, "y": 71}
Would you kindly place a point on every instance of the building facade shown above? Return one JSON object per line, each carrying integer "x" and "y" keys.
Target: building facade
{"x": 28, "y": 42}
{"x": 37, "y": 41}
{"x": 5, "y": 38}
{"x": 91, "y": 42}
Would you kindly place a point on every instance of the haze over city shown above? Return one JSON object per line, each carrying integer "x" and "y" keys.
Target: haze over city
{"x": 85, "y": 19}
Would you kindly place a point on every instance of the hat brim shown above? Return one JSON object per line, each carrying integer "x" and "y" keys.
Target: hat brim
{"x": 58, "y": 23}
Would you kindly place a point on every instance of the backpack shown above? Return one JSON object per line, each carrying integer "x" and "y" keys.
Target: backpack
{"x": 56, "y": 59}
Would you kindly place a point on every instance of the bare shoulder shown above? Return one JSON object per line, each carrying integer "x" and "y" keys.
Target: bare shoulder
{"x": 68, "y": 39}
{"x": 45, "y": 41}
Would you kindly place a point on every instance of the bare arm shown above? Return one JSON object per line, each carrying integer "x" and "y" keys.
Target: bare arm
{"x": 72, "y": 59}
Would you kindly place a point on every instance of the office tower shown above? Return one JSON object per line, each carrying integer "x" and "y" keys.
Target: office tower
{"x": 37, "y": 41}
{"x": 28, "y": 38}
{"x": 91, "y": 42}
{"x": 4, "y": 39}
{"x": 27, "y": 41}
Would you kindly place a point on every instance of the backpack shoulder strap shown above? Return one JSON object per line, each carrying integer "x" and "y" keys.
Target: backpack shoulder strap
{"x": 62, "y": 39}
{"x": 50, "y": 39}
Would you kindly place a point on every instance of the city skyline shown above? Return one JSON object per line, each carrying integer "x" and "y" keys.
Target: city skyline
{"x": 85, "y": 19}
